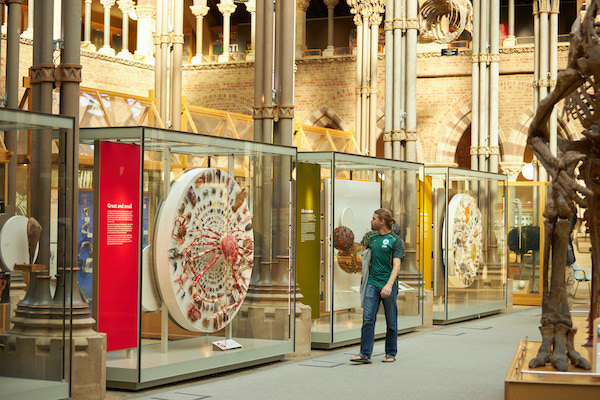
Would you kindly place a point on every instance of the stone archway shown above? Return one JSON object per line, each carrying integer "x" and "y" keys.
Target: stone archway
{"x": 325, "y": 117}
{"x": 453, "y": 132}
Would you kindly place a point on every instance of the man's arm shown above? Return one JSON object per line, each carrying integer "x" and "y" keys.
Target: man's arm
{"x": 387, "y": 289}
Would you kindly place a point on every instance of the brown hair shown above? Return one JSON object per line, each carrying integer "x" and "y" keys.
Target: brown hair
{"x": 386, "y": 216}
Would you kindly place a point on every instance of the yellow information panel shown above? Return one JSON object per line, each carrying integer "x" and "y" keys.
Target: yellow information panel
{"x": 426, "y": 230}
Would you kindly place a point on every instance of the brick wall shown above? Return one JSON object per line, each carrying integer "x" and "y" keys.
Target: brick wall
{"x": 443, "y": 89}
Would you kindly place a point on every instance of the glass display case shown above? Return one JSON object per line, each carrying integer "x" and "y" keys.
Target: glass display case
{"x": 525, "y": 240}
{"x": 193, "y": 251}
{"x": 337, "y": 196}
{"x": 467, "y": 272}
{"x": 36, "y": 328}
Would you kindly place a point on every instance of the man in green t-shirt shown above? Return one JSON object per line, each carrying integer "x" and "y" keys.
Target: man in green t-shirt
{"x": 386, "y": 253}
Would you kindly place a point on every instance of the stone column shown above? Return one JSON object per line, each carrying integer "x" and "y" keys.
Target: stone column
{"x": 553, "y": 72}
{"x": 374, "y": 22}
{"x": 512, "y": 169}
{"x": 412, "y": 26}
{"x": 145, "y": 26}
{"x": 328, "y": 52}
{"x": 4, "y": 19}
{"x": 199, "y": 9}
{"x": 87, "y": 30}
{"x": 251, "y": 8}
{"x": 125, "y": 6}
{"x": 494, "y": 69}
{"x": 28, "y": 33}
{"x": 106, "y": 49}
{"x": 301, "y": 7}
{"x": 474, "y": 150}
{"x": 484, "y": 50}
{"x": 358, "y": 21}
{"x": 226, "y": 7}
{"x": 511, "y": 40}
{"x": 389, "y": 86}
{"x": 177, "y": 40}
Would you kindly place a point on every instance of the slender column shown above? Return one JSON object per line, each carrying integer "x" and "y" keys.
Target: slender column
{"x": 389, "y": 85}
{"x": 474, "y": 151}
{"x": 268, "y": 73}
{"x": 106, "y": 49}
{"x": 56, "y": 27}
{"x": 28, "y": 33}
{"x": 483, "y": 85}
{"x": 125, "y": 6}
{"x": 259, "y": 66}
{"x": 163, "y": 71}
{"x": 328, "y": 52}
{"x": 226, "y": 7}
{"x": 199, "y": 9}
{"x": 87, "y": 27}
{"x": 251, "y": 8}
{"x": 364, "y": 99}
{"x": 553, "y": 72}
{"x": 359, "y": 84}
{"x": 374, "y": 21}
{"x": 494, "y": 84}
{"x": 176, "y": 66}
{"x": 411, "y": 79}
{"x": 536, "y": 55}
{"x": 511, "y": 40}
{"x": 398, "y": 99}
{"x": 145, "y": 25}
{"x": 158, "y": 66}
{"x": 301, "y": 7}
{"x": 12, "y": 90}
{"x": 544, "y": 47}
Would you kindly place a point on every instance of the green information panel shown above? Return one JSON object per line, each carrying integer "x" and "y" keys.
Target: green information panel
{"x": 308, "y": 235}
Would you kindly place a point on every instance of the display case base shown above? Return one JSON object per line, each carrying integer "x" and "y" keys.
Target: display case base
{"x": 26, "y": 389}
{"x": 187, "y": 359}
{"x": 524, "y": 383}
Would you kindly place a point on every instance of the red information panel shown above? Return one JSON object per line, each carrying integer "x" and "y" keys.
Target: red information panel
{"x": 118, "y": 244}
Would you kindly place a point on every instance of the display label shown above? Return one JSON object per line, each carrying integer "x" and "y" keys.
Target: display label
{"x": 227, "y": 344}
{"x": 308, "y": 246}
{"x": 118, "y": 241}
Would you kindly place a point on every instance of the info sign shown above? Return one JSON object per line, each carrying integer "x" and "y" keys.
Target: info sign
{"x": 118, "y": 211}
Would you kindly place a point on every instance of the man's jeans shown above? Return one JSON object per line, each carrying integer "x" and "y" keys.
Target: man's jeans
{"x": 370, "y": 308}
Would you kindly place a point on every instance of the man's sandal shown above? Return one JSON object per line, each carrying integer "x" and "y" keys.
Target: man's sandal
{"x": 389, "y": 359}
{"x": 360, "y": 359}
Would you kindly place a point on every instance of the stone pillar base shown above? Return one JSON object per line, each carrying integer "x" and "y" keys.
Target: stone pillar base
{"x": 107, "y": 51}
{"x": 196, "y": 59}
{"x": 250, "y": 57}
{"x": 88, "y": 46}
{"x": 427, "y": 308}
{"x": 125, "y": 54}
{"x": 27, "y": 34}
{"x": 328, "y": 52}
{"x": 40, "y": 357}
{"x": 223, "y": 58}
{"x": 510, "y": 41}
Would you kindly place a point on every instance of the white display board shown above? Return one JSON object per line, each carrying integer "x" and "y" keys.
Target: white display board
{"x": 354, "y": 203}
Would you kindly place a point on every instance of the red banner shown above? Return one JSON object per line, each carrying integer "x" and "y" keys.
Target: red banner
{"x": 118, "y": 213}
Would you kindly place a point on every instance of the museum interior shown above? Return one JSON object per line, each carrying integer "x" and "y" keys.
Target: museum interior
{"x": 248, "y": 143}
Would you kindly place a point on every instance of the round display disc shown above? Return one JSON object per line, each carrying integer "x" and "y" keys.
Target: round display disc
{"x": 14, "y": 245}
{"x": 204, "y": 249}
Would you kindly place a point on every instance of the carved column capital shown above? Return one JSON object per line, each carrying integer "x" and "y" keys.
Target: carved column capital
{"x": 226, "y": 8}
{"x": 125, "y": 5}
{"x": 199, "y": 11}
{"x": 251, "y": 6}
{"x": 145, "y": 11}
{"x": 511, "y": 169}
{"x": 302, "y": 5}
{"x": 331, "y": 3}
{"x": 107, "y": 3}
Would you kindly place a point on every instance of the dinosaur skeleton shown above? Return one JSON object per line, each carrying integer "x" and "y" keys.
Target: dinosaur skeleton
{"x": 443, "y": 21}
{"x": 577, "y": 83}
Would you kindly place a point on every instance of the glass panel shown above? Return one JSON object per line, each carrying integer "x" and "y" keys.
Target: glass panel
{"x": 35, "y": 287}
{"x": 361, "y": 186}
{"x": 211, "y": 250}
{"x": 469, "y": 266}
{"x": 525, "y": 240}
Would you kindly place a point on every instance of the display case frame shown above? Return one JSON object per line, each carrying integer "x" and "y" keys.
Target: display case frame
{"x": 163, "y": 351}
{"x": 46, "y": 374}
{"x": 526, "y": 291}
{"x": 474, "y": 284}
{"x": 349, "y": 200}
